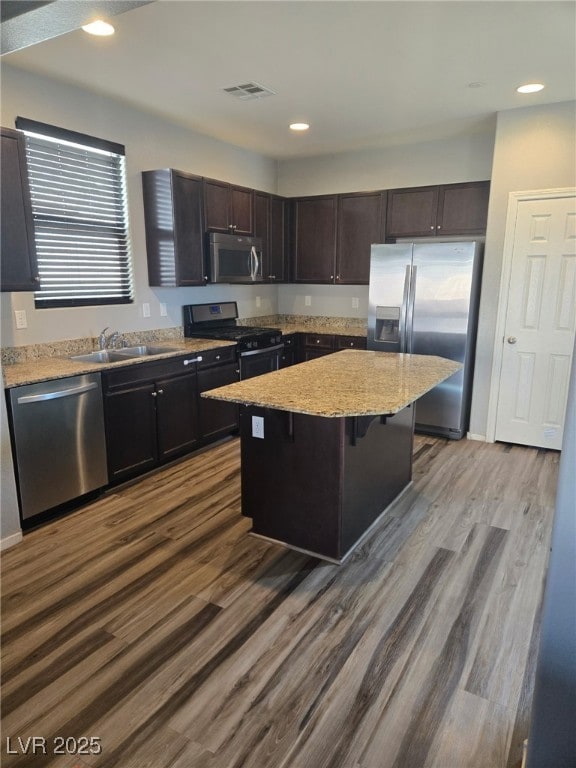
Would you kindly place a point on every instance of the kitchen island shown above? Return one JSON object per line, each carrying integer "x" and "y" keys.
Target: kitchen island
{"x": 326, "y": 446}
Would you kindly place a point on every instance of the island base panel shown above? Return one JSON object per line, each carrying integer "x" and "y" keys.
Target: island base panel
{"x": 318, "y": 484}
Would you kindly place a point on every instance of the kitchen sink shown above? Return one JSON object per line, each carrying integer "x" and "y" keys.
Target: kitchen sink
{"x": 102, "y": 356}
{"x": 144, "y": 350}
{"x": 126, "y": 353}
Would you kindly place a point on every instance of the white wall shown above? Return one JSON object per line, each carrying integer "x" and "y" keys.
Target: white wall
{"x": 150, "y": 143}
{"x": 460, "y": 158}
{"x": 535, "y": 148}
{"x": 10, "y": 532}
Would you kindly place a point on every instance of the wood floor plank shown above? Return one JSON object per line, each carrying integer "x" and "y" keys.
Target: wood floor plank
{"x": 152, "y": 619}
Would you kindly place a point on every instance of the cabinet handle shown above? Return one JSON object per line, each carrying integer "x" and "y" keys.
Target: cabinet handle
{"x": 331, "y": 277}
{"x": 271, "y": 277}
{"x": 432, "y": 227}
{"x": 218, "y": 357}
{"x": 192, "y": 360}
{"x": 154, "y": 394}
{"x": 160, "y": 391}
{"x": 439, "y": 227}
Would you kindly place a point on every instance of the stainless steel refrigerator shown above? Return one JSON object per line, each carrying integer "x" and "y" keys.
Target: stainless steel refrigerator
{"x": 423, "y": 299}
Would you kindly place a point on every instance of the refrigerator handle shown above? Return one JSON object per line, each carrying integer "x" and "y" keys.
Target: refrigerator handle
{"x": 404, "y": 311}
{"x": 410, "y": 310}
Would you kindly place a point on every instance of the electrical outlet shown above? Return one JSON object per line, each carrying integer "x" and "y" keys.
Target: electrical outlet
{"x": 258, "y": 426}
{"x": 145, "y": 309}
{"x": 258, "y": 301}
{"x": 307, "y": 301}
{"x": 355, "y": 302}
{"x": 163, "y": 310}
{"x": 21, "y": 321}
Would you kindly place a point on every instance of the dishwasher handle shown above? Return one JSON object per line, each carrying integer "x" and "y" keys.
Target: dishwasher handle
{"x": 25, "y": 399}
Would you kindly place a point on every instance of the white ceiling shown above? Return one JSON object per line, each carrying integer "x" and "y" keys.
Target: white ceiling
{"x": 363, "y": 74}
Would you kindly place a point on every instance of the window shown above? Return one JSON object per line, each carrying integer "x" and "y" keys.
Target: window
{"x": 78, "y": 192}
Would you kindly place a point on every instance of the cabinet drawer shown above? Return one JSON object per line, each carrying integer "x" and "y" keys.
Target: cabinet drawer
{"x": 289, "y": 339}
{"x": 321, "y": 340}
{"x": 217, "y": 357}
{"x": 149, "y": 371}
{"x": 350, "y": 342}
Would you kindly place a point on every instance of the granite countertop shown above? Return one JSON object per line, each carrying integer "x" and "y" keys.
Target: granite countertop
{"x": 58, "y": 367}
{"x": 321, "y": 328}
{"x": 347, "y": 383}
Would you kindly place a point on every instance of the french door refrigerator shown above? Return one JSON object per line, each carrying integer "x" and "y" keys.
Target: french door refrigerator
{"x": 423, "y": 299}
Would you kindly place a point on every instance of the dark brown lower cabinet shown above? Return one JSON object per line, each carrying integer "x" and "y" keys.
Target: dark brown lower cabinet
{"x": 316, "y": 345}
{"x": 148, "y": 422}
{"x": 318, "y": 484}
{"x": 154, "y": 412}
{"x": 217, "y": 418}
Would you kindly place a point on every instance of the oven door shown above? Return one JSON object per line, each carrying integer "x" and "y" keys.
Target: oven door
{"x": 259, "y": 361}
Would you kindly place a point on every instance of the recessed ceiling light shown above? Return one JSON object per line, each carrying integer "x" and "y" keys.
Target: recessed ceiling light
{"x": 530, "y": 88}
{"x": 101, "y": 28}
{"x": 299, "y": 126}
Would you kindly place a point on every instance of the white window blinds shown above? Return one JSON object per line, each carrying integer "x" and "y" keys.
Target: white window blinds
{"x": 78, "y": 193}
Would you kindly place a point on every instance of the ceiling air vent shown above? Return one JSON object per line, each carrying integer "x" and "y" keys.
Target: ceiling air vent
{"x": 248, "y": 91}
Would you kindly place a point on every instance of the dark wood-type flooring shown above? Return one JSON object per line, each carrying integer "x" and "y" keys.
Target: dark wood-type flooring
{"x": 153, "y": 622}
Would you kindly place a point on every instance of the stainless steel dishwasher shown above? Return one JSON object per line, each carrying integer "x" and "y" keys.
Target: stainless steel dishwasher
{"x": 58, "y": 439}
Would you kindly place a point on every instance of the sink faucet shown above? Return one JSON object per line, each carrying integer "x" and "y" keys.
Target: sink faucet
{"x": 107, "y": 342}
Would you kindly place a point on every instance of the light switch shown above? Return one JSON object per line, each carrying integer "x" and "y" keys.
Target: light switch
{"x": 307, "y": 301}
{"x": 355, "y": 302}
{"x": 145, "y": 309}
{"x": 163, "y": 310}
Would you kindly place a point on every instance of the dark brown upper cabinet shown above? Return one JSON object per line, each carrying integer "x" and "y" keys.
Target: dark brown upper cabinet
{"x": 313, "y": 222}
{"x": 361, "y": 222}
{"x": 276, "y": 266}
{"x": 332, "y": 235}
{"x": 19, "y": 266}
{"x": 228, "y": 208}
{"x": 448, "y": 209}
{"x": 270, "y": 226}
{"x": 173, "y": 212}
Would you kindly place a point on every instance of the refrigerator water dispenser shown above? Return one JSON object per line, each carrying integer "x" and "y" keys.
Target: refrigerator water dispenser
{"x": 388, "y": 324}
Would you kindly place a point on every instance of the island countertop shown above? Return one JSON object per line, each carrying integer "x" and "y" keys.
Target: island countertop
{"x": 352, "y": 382}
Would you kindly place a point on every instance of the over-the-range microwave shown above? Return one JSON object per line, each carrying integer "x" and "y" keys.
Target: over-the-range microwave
{"x": 234, "y": 259}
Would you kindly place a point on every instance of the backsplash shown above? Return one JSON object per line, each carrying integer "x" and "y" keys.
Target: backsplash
{"x": 78, "y": 346}
{"x": 67, "y": 347}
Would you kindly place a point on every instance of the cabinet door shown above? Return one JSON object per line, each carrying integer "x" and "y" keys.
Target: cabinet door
{"x": 217, "y": 206}
{"x": 242, "y": 210}
{"x": 19, "y": 268}
{"x": 262, "y": 226}
{"x": 189, "y": 229}
{"x": 463, "y": 208}
{"x": 276, "y": 267}
{"x": 412, "y": 212}
{"x": 360, "y": 223}
{"x": 173, "y": 217}
{"x": 177, "y": 415}
{"x": 314, "y": 239}
{"x": 217, "y": 417}
{"x": 130, "y": 431}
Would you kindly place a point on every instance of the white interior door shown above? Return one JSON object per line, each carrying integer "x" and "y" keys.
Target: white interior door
{"x": 538, "y": 338}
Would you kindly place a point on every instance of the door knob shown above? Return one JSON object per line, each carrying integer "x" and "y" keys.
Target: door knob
{"x": 512, "y": 339}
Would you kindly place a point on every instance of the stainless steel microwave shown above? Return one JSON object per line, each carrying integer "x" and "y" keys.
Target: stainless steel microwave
{"x": 234, "y": 259}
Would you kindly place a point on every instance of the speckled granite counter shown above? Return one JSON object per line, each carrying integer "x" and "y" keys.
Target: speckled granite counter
{"x": 45, "y": 368}
{"x": 343, "y": 326}
{"x": 347, "y": 383}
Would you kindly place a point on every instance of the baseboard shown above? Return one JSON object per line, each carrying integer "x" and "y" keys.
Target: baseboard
{"x": 10, "y": 541}
{"x": 479, "y": 438}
